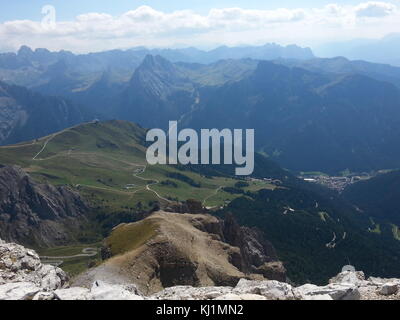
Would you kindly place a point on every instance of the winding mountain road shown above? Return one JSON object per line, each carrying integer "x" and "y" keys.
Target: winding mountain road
{"x": 154, "y": 182}
{"x": 44, "y": 147}
{"x": 87, "y": 252}
{"x": 212, "y": 195}
{"x": 52, "y": 137}
{"x": 59, "y": 260}
{"x": 147, "y": 187}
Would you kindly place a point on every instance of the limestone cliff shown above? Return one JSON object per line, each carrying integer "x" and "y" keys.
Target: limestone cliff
{"x": 37, "y": 214}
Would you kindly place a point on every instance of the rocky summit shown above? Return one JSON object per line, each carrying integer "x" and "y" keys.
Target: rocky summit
{"x": 168, "y": 249}
{"x": 24, "y": 277}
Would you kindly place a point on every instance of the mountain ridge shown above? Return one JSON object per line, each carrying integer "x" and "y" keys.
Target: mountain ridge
{"x": 303, "y": 119}
{"x": 28, "y": 115}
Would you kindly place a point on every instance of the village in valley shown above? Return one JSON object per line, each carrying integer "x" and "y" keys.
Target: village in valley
{"x": 338, "y": 183}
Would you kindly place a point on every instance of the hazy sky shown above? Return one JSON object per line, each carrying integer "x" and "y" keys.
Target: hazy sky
{"x": 94, "y": 25}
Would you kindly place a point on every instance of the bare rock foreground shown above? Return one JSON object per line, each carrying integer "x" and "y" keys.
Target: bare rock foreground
{"x": 24, "y": 277}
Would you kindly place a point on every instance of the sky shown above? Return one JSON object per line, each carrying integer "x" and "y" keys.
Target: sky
{"x": 96, "y": 25}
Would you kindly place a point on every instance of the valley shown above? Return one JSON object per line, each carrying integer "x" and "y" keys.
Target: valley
{"x": 73, "y": 259}
{"x": 105, "y": 163}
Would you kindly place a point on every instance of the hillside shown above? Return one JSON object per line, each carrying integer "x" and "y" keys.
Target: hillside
{"x": 105, "y": 162}
{"x": 168, "y": 249}
{"x": 316, "y": 235}
{"x": 27, "y": 115}
{"x": 378, "y": 197}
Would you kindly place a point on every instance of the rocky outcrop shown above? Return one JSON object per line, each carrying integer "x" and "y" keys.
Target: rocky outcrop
{"x": 36, "y": 214}
{"x": 189, "y": 206}
{"x": 257, "y": 254}
{"x": 169, "y": 249}
{"x": 23, "y": 277}
{"x": 348, "y": 285}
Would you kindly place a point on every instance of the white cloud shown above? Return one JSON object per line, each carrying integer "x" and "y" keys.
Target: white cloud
{"x": 149, "y": 27}
{"x": 253, "y": 18}
{"x": 375, "y": 9}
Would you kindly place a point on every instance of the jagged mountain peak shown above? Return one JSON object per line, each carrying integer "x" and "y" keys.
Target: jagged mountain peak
{"x": 159, "y": 77}
{"x": 156, "y": 62}
{"x": 156, "y": 87}
{"x": 157, "y": 66}
{"x": 25, "y": 51}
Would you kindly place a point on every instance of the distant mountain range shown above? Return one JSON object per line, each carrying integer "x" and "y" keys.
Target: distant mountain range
{"x": 95, "y": 79}
{"x": 341, "y": 65}
{"x": 305, "y": 120}
{"x": 385, "y": 50}
{"x": 38, "y": 68}
{"x": 309, "y": 121}
{"x": 310, "y": 114}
